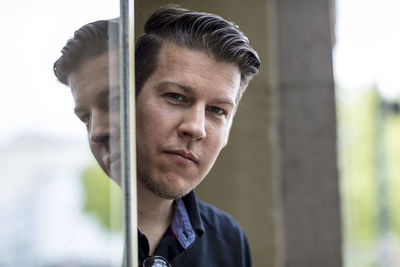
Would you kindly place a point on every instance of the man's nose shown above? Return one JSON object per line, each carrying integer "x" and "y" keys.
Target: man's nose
{"x": 99, "y": 131}
{"x": 193, "y": 123}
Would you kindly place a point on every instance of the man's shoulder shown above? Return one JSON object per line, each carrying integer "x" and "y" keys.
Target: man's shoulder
{"x": 220, "y": 240}
{"x": 224, "y": 237}
{"x": 217, "y": 220}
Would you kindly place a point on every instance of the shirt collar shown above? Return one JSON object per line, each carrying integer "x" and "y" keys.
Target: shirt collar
{"x": 181, "y": 225}
{"x": 192, "y": 208}
{"x": 186, "y": 219}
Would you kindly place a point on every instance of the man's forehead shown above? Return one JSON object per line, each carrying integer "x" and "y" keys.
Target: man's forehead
{"x": 176, "y": 60}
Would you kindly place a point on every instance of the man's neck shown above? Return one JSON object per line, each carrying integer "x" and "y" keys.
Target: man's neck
{"x": 154, "y": 215}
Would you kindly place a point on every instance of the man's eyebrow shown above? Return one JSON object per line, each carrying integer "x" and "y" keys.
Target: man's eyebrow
{"x": 225, "y": 101}
{"x": 184, "y": 87}
{"x": 190, "y": 89}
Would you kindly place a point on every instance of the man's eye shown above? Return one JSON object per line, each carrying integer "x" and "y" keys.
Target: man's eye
{"x": 176, "y": 97}
{"x": 217, "y": 110}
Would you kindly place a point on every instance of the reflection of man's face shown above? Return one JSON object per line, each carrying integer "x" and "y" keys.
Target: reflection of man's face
{"x": 183, "y": 117}
{"x": 96, "y": 96}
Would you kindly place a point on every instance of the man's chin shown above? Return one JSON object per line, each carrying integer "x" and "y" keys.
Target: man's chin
{"x": 169, "y": 194}
{"x": 165, "y": 190}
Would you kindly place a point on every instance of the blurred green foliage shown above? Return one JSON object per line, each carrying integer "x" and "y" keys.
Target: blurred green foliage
{"x": 103, "y": 198}
{"x": 360, "y": 124}
{"x": 357, "y": 112}
{"x": 392, "y": 147}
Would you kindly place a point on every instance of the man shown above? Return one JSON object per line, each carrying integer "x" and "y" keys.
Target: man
{"x": 191, "y": 71}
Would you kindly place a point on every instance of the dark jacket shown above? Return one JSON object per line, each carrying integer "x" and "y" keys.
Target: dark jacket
{"x": 219, "y": 240}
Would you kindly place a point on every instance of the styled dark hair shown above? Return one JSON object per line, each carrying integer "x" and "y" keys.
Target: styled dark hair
{"x": 92, "y": 39}
{"x": 206, "y": 32}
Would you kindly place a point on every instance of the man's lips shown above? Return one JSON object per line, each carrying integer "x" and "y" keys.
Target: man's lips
{"x": 184, "y": 154}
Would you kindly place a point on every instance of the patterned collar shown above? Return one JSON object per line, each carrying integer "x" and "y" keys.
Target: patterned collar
{"x": 181, "y": 226}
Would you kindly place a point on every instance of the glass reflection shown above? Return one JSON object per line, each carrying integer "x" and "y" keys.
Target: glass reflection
{"x": 58, "y": 208}
{"x": 89, "y": 67}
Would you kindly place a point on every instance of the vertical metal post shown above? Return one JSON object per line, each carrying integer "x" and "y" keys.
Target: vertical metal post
{"x": 128, "y": 132}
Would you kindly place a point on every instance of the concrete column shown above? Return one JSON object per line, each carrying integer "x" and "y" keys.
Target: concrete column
{"x": 309, "y": 192}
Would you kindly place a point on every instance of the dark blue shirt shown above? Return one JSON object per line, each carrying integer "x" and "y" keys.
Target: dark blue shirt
{"x": 200, "y": 235}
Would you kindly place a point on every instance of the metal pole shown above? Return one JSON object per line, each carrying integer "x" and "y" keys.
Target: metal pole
{"x": 128, "y": 132}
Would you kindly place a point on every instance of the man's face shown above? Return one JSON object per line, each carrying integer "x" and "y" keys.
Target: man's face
{"x": 183, "y": 116}
{"x": 96, "y": 96}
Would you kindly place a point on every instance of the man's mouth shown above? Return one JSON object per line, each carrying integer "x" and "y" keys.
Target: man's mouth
{"x": 184, "y": 154}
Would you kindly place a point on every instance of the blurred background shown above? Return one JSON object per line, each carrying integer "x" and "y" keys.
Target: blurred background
{"x": 312, "y": 169}
{"x": 366, "y": 61}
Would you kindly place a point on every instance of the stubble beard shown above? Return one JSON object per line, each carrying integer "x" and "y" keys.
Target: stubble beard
{"x": 160, "y": 189}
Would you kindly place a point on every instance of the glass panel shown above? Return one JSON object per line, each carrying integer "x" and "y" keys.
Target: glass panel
{"x": 58, "y": 207}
